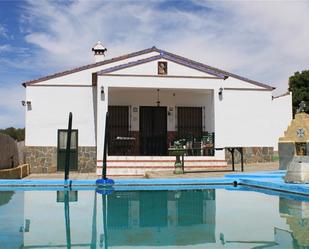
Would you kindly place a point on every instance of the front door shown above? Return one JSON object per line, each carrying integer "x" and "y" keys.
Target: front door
{"x": 61, "y": 151}
{"x": 153, "y": 131}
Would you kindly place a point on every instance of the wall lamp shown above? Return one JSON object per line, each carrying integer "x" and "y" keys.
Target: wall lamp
{"x": 24, "y": 103}
{"x": 102, "y": 93}
{"x": 220, "y": 92}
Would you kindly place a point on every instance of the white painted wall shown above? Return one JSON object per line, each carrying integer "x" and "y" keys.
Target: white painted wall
{"x": 250, "y": 118}
{"x": 50, "y": 107}
{"x": 282, "y": 115}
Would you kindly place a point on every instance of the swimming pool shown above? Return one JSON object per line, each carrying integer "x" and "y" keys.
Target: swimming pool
{"x": 212, "y": 217}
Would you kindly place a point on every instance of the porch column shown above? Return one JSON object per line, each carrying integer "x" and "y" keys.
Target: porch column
{"x": 102, "y": 108}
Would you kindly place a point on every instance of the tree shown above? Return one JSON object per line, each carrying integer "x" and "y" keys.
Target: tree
{"x": 17, "y": 134}
{"x": 299, "y": 86}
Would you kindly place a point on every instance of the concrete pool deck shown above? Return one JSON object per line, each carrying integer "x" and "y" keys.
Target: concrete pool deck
{"x": 166, "y": 174}
{"x": 265, "y": 180}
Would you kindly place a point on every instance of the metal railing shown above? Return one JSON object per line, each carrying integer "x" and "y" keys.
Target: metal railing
{"x": 68, "y": 149}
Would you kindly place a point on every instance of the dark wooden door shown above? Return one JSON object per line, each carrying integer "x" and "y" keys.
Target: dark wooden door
{"x": 61, "y": 150}
{"x": 153, "y": 131}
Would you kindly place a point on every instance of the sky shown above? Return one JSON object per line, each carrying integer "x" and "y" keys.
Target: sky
{"x": 265, "y": 41}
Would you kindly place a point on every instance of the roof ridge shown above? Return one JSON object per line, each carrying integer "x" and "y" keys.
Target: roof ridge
{"x": 89, "y": 66}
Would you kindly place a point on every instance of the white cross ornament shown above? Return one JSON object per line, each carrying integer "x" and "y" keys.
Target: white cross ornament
{"x": 300, "y": 132}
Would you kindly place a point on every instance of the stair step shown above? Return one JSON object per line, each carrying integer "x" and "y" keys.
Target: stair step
{"x": 139, "y": 165}
{"x": 141, "y": 170}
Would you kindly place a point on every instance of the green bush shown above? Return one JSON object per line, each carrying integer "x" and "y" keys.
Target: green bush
{"x": 17, "y": 134}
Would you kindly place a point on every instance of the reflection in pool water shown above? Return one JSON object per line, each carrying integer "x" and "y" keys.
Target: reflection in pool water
{"x": 149, "y": 219}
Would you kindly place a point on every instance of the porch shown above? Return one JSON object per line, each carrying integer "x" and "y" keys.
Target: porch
{"x": 147, "y": 122}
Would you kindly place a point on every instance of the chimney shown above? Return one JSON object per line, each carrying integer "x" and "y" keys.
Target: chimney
{"x": 99, "y": 51}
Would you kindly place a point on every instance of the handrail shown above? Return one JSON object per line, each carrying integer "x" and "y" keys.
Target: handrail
{"x": 104, "y": 181}
{"x": 105, "y": 147}
{"x": 68, "y": 149}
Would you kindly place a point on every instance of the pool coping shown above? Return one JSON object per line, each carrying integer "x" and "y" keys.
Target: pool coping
{"x": 269, "y": 180}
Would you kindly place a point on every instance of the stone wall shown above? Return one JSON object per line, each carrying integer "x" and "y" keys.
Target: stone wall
{"x": 252, "y": 155}
{"x": 41, "y": 159}
{"x": 44, "y": 159}
{"x": 87, "y": 159}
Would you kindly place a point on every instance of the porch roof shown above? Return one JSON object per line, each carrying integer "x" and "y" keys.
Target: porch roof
{"x": 218, "y": 73}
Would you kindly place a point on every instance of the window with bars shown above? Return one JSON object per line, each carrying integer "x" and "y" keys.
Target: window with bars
{"x": 118, "y": 128}
{"x": 190, "y": 122}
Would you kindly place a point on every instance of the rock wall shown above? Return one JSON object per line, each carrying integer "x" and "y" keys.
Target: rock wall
{"x": 87, "y": 159}
{"x": 252, "y": 155}
{"x": 44, "y": 159}
{"x": 41, "y": 159}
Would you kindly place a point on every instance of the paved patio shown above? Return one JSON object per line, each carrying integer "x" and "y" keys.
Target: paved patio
{"x": 167, "y": 174}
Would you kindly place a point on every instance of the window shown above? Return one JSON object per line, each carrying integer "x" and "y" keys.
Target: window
{"x": 63, "y": 139}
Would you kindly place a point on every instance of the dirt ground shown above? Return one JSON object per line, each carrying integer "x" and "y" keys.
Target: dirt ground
{"x": 168, "y": 174}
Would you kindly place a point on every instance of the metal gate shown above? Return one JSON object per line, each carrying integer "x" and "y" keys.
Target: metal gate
{"x": 118, "y": 130}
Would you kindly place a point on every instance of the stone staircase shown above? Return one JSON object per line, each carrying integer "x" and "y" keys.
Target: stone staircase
{"x": 138, "y": 166}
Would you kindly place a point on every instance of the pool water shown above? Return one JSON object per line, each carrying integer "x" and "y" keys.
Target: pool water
{"x": 208, "y": 218}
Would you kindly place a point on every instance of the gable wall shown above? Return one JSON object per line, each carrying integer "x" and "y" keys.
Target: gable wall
{"x": 151, "y": 68}
{"x": 175, "y": 69}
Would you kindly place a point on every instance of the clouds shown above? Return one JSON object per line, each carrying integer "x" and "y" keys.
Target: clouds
{"x": 3, "y": 31}
{"x": 11, "y": 110}
{"x": 262, "y": 40}
{"x": 266, "y": 41}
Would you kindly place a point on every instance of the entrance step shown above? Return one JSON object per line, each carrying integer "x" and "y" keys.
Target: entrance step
{"x": 138, "y": 166}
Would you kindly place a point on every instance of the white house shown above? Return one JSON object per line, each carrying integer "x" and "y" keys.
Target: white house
{"x": 153, "y": 98}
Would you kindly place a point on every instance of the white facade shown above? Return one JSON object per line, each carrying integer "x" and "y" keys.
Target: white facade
{"x": 240, "y": 112}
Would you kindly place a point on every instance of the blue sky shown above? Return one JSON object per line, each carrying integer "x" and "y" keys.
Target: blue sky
{"x": 262, "y": 40}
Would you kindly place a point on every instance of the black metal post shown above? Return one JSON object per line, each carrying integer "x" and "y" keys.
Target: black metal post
{"x": 68, "y": 149}
{"x": 105, "y": 147}
{"x": 233, "y": 160}
{"x": 241, "y": 159}
{"x": 231, "y": 150}
{"x": 67, "y": 218}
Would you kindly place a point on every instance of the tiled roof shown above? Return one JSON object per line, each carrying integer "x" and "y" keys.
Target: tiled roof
{"x": 281, "y": 95}
{"x": 89, "y": 66}
{"x": 162, "y": 54}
